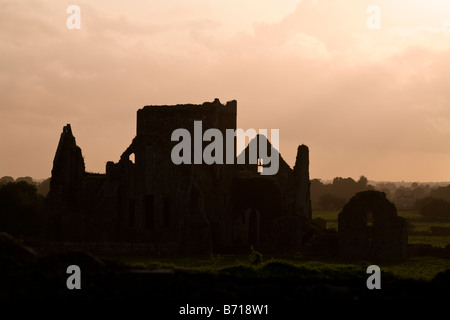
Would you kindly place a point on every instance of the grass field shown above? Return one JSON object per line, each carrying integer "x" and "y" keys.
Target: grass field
{"x": 332, "y": 215}
{"x": 328, "y": 215}
{"x": 424, "y": 226}
{"x": 418, "y": 234}
{"x": 420, "y": 268}
{"x": 437, "y": 241}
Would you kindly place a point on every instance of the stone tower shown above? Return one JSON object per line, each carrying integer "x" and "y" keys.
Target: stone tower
{"x": 162, "y": 197}
{"x": 301, "y": 177}
{"x": 64, "y": 197}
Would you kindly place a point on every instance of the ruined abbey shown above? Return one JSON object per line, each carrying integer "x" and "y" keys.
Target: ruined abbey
{"x": 186, "y": 208}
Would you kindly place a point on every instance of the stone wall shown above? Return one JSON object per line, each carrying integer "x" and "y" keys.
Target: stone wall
{"x": 149, "y": 199}
{"x": 369, "y": 228}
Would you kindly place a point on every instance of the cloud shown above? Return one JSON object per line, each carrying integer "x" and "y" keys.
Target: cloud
{"x": 314, "y": 71}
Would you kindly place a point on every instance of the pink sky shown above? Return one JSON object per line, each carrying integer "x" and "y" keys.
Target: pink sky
{"x": 371, "y": 102}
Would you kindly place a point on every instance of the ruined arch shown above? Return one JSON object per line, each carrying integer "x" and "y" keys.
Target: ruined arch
{"x": 368, "y": 227}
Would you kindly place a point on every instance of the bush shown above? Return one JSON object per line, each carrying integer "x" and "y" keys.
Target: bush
{"x": 20, "y": 209}
{"x": 430, "y": 207}
{"x": 441, "y": 193}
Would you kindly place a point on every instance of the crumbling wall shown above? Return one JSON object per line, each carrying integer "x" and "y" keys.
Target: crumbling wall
{"x": 369, "y": 228}
{"x": 294, "y": 183}
{"x": 257, "y": 202}
{"x": 284, "y": 227}
{"x": 147, "y": 198}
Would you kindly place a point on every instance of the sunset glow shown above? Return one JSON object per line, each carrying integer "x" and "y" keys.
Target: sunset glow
{"x": 366, "y": 102}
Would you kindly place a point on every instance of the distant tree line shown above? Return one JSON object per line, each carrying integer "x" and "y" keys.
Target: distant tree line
{"x": 21, "y": 209}
{"x": 22, "y": 206}
{"x": 42, "y": 187}
{"x": 428, "y": 200}
{"x": 437, "y": 204}
{"x": 333, "y": 196}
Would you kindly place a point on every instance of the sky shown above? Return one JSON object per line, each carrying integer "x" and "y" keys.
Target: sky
{"x": 368, "y": 96}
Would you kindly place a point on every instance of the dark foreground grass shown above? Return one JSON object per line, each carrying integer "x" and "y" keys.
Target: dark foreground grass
{"x": 419, "y": 268}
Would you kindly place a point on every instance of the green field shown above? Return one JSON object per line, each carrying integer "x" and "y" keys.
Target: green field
{"x": 437, "y": 241}
{"x": 424, "y": 226}
{"x": 419, "y": 233}
{"x": 332, "y": 215}
{"x": 328, "y": 215}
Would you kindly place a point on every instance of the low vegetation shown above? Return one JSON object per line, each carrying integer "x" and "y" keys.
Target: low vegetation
{"x": 419, "y": 268}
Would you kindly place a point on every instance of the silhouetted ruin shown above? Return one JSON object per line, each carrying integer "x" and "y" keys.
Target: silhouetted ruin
{"x": 186, "y": 208}
{"x": 369, "y": 228}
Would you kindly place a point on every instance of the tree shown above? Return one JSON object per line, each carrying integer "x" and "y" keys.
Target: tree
{"x": 317, "y": 188}
{"x": 362, "y": 182}
{"x": 441, "y": 193}
{"x": 6, "y": 179}
{"x": 21, "y": 209}
{"x": 431, "y": 207}
{"x": 420, "y": 203}
{"x": 419, "y": 192}
{"x": 386, "y": 191}
{"x": 43, "y": 188}
{"x": 344, "y": 188}
{"x": 27, "y": 179}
